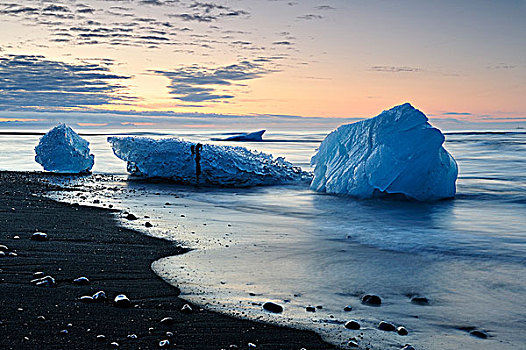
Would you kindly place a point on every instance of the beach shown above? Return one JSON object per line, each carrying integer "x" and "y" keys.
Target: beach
{"x": 88, "y": 242}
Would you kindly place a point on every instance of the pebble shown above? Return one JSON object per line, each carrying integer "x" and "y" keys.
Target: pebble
{"x": 13, "y": 254}
{"x": 167, "y": 321}
{"x": 408, "y": 347}
{"x": 38, "y": 274}
{"x": 272, "y": 307}
{"x": 169, "y": 334}
{"x": 99, "y": 296}
{"x": 370, "y": 299}
{"x": 41, "y": 318}
{"x": 347, "y": 308}
{"x": 47, "y": 281}
{"x": 86, "y": 299}
{"x": 386, "y": 326}
{"x": 121, "y": 300}
{"x": 402, "y": 331}
{"x": 100, "y": 338}
{"x": 130, "y": 216}
{"x": 132, "y": 336}
{"x": 39, "y": 236}
{"x": 479, "y": 334}
{"x": 186, "y": 309}
{"x": 252, "y": 345}
{"x": 64, "y": 331}
{"x": 310, "y": 309}
{"x": 352, "y": 324}
{"x": 164, "y": 343}
{"x": 148, "y": 224}
{"x": 3, "y": 248}
{"x": 2, "y": 254}
{"x": 16, "y": 237}
{"x": 81, "y": 281}
{"x": 115, "y": 344}
{"x": 419, "y": 300}
{"x": 352, "y": 344}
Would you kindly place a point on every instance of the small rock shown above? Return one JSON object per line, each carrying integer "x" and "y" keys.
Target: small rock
{"x": 101, "y": 338}
{"x": 130, "y": 216}
{"x": 352, "y": 324}
{"x": 2, "y": 254}
{"x": 167, "y": 321}
{"x": 132, "y": 336}
{"x": 186, "y": 309}
{"x": 16, "y": 237}
{"x": 13, "y": 254}
{"x": 100, "y": 296}
{"x": 41, "y": 318}
{"x": 352, "y": 344}
{"x": 148, "y": 224}
{"x": 164, "y": 343}
{"x": 169, "y": 334}
{"x": 310, "y": 308}
{"x": 121, "y": 300}
{"x": 252, "y": 345}
{"x": 81, "y": 281}
{"x": 408, "y": 347}
{"x": 402, "y": 331}
{"x": 86, "y": 299}
{"x": 479, "y": 334}
{"x": 115, "y": 344}
{"x": 38, "y": 274}
{"x": 347, "y": 308}
{"x": 3, "y": 248}
{"x": 47, "y": 281}
{"x": 39, "y": 236}
{"x": 386, "y": 326}
{"x": 64, "y": 331}
{"x": 272, "y": 307}
{"x": 372, "y": 300}
{"x": 420, "y": 300}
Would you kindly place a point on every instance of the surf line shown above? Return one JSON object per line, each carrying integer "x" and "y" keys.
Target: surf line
{"x": 196, "y": 150}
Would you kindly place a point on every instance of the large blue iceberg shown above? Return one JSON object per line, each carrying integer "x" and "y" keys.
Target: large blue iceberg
{"x": 62, "y": 150}
{"x": 396, "y": 152}
{"x": 194, "y": 163}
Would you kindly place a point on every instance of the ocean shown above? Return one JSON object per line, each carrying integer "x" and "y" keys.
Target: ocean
{"x": 300, "y": 248}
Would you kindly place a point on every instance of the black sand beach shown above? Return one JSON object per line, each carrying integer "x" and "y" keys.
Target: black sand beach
{"x": 86, "y": 241}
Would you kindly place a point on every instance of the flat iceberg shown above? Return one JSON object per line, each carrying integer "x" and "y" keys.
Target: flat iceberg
{"x": 249, "y": 136}
{"x": 194, "y": 163}
{"x": 396, "y": 152}
{"x": 62, "y": 150}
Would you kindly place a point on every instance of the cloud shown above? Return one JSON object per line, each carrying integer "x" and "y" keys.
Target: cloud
{"x": 208, "y": 12}
{"x": 394, "y": 69}
{"x": 310, "y": 17}
{"x": 325, "y": 7}
{"x": 200, "y": 84}
{"x": 34, "y": 81}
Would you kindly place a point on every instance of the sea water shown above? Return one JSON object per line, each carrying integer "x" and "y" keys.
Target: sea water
{"x": 299, "y": 248}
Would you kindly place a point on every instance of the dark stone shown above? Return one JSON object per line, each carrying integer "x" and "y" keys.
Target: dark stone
{"x": 186, "y": 309}
{"x": 319, "y": 307}
{"x": 38, "y": 274}
{"x": 121, "y": 300}
{"x": 402, "y": 331}
{"x": 148, "y": 224}
{"x": 352, "y": 324}
{"x": 420, "y": 300}
{"x": 47, "y": 281}
{"x": 347, "y": 308}
{"x": 479, "y": 334}
{"x": 352, "y": 344}
{"x": 3, "y": 248}
{"x": 164, "y": 343}
{"x": 86, "y": 299}
{"x": 386, "y": 326}
{"x": 39, "y": 236}
{"x": 101, "y": 338}
{"x": 2, "y": 254}
{"x": 408, "y": 347}
{"x": 99, "y": 296}
{"x": 130, "y": 216}
{"x": 371, "y": 300}
{"x": 81, "y": 281}
{"x": 310, "y": 309}
{"x": 167, "y": 321}
{"x": 272, "y": 307}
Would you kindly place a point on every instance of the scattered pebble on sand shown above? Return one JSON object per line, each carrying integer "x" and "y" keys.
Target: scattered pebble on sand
{"x": 352, "y": 324}
{"x": 272, "y": 307}
{"x": 39, "y": 236}
{"x": 372, "y": 300}
{"x": 386, "y": 326}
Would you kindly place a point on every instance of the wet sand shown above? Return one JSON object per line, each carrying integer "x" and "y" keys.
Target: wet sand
{"x": 86, "y": 241}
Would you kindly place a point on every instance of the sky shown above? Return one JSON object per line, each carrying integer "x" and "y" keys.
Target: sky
{"x": 162, "y": 61}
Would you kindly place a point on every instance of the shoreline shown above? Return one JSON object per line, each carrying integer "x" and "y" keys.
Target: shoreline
{"x": 87, "y": 241}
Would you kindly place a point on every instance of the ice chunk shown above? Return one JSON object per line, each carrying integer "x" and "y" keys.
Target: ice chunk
{"x": 62, "y": 150}
{"x": 251, "y": 136}
{"x": 195, "y": 163}
{"x": 397, "y": 151}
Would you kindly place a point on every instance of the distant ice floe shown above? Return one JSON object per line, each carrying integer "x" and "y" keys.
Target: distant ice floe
{"x": 251, "y": 136}
{"x": 62, "y": 150}
{"x": 194, "y": 163}
{"x": 396, "y": 152}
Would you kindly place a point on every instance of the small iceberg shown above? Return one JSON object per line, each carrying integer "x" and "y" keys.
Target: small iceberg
{"x": 62, "y": 150}
{"x": 256, "y": 136}
{"x": 203, "y": 164}
{"x": 396, "y": 152}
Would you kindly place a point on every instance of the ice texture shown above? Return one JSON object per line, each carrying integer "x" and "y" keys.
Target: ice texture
{"x": 396, "y": 152}
{"x": 194, "y": 163}
{"x": 250, "y": 136}
{"x": 62, "y": 150}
